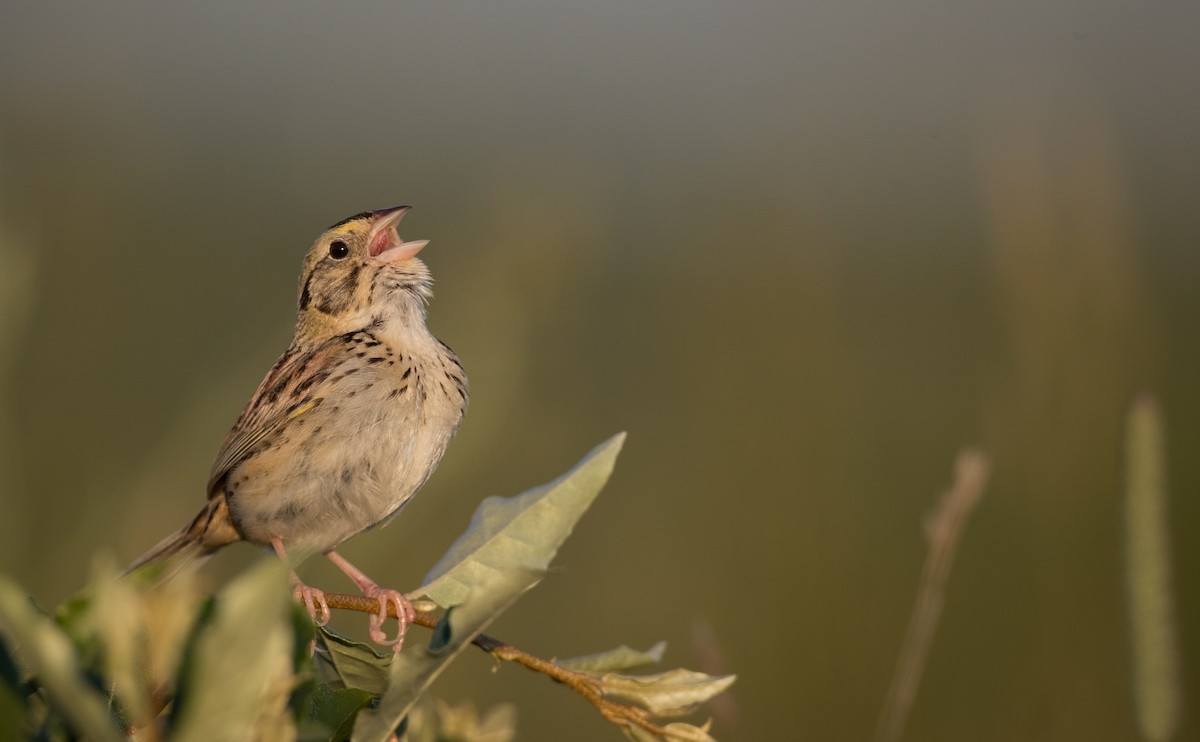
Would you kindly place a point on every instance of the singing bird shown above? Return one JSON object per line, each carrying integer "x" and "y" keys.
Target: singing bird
{"x": 347, "y": 425}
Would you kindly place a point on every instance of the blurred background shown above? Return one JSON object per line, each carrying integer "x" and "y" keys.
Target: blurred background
{"x": 803, "y": 252}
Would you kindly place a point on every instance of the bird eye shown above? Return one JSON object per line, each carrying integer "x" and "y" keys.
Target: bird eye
{"x": 338, "y": 250}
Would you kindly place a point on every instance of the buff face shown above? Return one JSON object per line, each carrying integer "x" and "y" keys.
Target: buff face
{"x": 358, "y": 269}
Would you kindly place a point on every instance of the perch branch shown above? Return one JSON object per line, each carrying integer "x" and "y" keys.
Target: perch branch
{"x": 581, "y": 683}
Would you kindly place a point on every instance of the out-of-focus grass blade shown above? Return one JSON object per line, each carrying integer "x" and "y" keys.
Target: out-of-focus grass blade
{"x": 1148, "y": 573}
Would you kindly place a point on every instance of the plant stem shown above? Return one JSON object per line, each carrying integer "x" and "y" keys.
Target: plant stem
{"x": 943, "y": 530}
{"x": 581, "y": 683}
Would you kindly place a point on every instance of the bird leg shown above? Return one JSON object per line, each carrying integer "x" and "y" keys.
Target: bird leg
{"x": 404, "y": 608}
{"x": 312, "y": 598}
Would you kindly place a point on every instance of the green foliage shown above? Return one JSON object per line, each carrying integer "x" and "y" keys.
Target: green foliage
{"x": 344, "y": 663}
{"x": 520, "y": 532}
{"x": 46, "y": 653}
{"x": 412, "y": 672}
{"x": 155, "y": 657}
{"x": 323, "y": 713}
{"x": 620, "y": 658}
{"x": 671, "y": 693}
{"x": 250, "y": 618}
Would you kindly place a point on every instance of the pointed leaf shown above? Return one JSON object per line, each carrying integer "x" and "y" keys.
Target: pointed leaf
{"x": 414, "y": 670}
{"x": 614, "y": 660}
{"x": 520, "y": 532}
{"x": 673, "y": 693}
{"x": 343, "y": 663}
{"x": 46, "y": 653}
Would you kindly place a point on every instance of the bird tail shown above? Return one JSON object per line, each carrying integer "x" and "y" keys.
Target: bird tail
{"x": 199, "y": 539}
{"x": 181, "y": 546}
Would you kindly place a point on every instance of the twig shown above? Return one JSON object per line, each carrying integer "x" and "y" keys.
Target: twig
{"x": 581, "y": 683}
{"x": 944, "y": 530}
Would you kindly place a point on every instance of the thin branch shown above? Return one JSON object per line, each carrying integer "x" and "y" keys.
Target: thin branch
{"x": 944, "y": 531}
{"x": 581, "y": 683}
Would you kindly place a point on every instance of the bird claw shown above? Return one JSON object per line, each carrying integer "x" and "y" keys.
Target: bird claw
{"x": 405, "y": 613}
{"x": 404, "y": 616}
{"x": 313, "y": 600}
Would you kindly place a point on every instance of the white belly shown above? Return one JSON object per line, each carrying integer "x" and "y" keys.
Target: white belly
{"x": 357, "y": 462}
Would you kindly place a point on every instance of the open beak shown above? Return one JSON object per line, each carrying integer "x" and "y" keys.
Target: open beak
{"x": 384, "y": 242}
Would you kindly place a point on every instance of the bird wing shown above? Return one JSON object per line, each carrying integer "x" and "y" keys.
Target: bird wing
{"x": 285, "y": 394}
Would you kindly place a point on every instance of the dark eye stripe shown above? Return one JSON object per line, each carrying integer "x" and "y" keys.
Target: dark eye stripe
{"x": 350, "y": 282}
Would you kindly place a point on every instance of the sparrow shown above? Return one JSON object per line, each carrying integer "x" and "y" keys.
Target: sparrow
{"x": 346, "y": 426}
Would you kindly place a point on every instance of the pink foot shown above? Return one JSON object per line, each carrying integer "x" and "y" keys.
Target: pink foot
{"x": 312, "y": 598}
{"x": 405, "y": 613}
{"x": 404, "y": 616}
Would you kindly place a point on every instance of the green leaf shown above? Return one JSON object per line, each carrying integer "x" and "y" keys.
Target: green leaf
{"x": 439, "y": 639}
{"x": 304, "y": 633}
{"x": 672, "y": 693}
{"x": 10, "y": 675}
{"x": 45, "y": 652}
{"x": 344, "y": 663}
{"x": 239, "y": 677}
{"x": 328, "y": 714}
{"x": 73, "y": 615}
{"x": 614, "y": 660}
{"x": 416, "y": 668}
{"x": 671, "y": 732}
{"x": 13, "y": 697}
{"x": 463, "y": 722}
{"x": 117, "y": 617}
{"x": 520, "y": 532}
{"x": 12, "y": 716}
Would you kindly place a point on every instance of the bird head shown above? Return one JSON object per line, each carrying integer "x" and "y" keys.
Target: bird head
{"x": 360, "y": 272}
